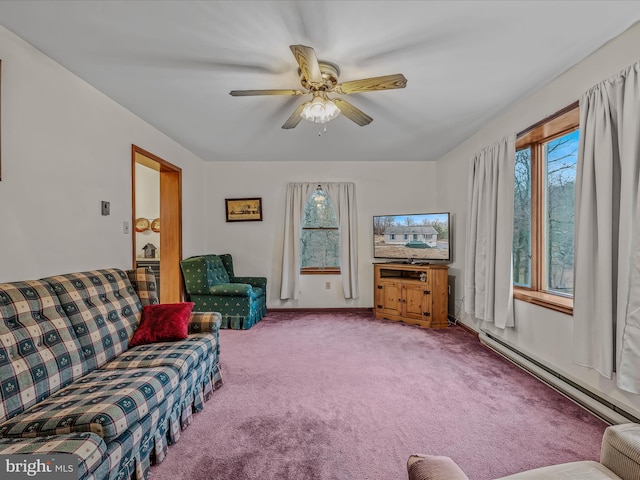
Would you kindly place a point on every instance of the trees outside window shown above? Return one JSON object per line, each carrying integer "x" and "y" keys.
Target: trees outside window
{"x": 320, "y": 236}
{"x": 544, "y": 192}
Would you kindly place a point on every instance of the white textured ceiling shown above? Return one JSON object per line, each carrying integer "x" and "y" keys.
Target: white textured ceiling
{"x": 174, "y": 63}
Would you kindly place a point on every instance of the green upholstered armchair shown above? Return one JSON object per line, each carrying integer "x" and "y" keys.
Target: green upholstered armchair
{"x": 213, "y": 287}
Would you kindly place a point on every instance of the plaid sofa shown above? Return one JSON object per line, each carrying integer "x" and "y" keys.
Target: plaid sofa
{"x": 70, "y": 384}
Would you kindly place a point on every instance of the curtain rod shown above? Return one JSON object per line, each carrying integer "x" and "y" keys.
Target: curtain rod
{"x": 559, "y": 113}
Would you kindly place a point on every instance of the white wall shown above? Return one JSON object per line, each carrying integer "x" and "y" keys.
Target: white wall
{"x": 539, "y": 332}
{"x": 392, "y": 187}
{"x": 66, "y": 147}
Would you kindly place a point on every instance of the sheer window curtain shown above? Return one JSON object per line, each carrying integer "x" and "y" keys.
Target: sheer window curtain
{"x": 488, "y": 279}
{"x": 343, "y": 197}
{"x": 606, "y": 312}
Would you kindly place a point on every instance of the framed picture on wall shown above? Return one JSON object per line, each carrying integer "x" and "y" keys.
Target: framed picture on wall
{"x": 244, "y": 209}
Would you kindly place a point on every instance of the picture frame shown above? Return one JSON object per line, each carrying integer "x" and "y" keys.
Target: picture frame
{"x": 243, "y": 209}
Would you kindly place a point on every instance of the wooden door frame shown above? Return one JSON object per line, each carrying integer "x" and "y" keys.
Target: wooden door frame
{"x": 171, "y": 289}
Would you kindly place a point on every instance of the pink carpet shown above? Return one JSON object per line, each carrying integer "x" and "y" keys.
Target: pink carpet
{"x": 335, "y": 396}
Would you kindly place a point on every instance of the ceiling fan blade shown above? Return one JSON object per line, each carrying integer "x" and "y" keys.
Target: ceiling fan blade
{"x": 295, "y": 117}
{"x": 372, "y": 84}
{"x": 308, "y": 62}
{"x": 352, "y": 113}
{"x": 246, "y": 93}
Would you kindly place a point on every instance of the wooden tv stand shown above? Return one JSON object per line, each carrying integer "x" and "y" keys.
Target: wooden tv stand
{"x": 416, "y": 294}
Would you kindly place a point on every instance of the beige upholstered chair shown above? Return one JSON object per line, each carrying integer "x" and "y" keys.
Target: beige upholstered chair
{"x": 619, "y": 460}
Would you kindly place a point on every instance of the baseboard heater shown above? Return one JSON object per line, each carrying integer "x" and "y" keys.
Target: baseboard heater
{"x": 597, "y": 405}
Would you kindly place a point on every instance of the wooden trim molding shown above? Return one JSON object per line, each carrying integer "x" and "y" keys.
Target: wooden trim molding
{"x": 319, "y": 271}
{"x": 566, "y": 114}
{"x": 544, "y": 299}
{"x": 171, "y": 286}
{"x": 467, "y": 329}
{"x": 325, "y": 310}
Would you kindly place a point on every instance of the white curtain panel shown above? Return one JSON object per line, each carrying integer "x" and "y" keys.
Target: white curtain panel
{"x": 343, "y": 197}
{"x": 488, "y": 277}
{"x": 606, "y": 310}
{"x": 297, "y": 196}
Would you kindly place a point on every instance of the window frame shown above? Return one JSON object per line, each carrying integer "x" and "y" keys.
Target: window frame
{"x": 319, "y": 270}
{"x": 557, "y": 125}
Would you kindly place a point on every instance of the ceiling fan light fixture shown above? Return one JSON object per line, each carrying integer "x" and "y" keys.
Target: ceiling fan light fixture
{"x": 320, "y": 110}
{"x": 318, "y": 78}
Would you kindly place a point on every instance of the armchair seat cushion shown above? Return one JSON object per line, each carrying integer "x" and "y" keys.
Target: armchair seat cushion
{"x": 105, "y": 402}
{"x": 432, "y": 467}
{"x": 256, "y": 292}
{"x": 585, "y": 470}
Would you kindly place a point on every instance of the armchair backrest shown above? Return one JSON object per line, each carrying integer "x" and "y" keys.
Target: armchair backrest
{"x": 227, "y": 261}
{"x": 216, "y": 271}
{"x": 194, "y": 271}
{"x": 202, "y": 272}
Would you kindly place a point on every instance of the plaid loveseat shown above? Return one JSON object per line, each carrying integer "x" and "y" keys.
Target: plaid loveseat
{"x": 69, "y": 384}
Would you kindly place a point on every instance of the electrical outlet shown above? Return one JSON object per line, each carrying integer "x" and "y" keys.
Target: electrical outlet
{"x": 125, "y": 227}
{"x": 327, "y": 285}
{"x": 105, "y": 207}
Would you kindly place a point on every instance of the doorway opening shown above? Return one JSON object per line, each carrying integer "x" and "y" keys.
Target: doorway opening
{"x": 157, "y": 242}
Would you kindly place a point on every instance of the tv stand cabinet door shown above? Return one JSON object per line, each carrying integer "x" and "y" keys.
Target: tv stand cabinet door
{"x": 388, "y": 297}
{"x": 414, "y": 303}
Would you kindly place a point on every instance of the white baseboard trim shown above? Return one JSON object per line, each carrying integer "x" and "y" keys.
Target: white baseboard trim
{"x": 607, "y": 411}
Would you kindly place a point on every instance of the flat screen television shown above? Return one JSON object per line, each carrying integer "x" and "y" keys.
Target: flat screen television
{"x": 414, "y": 238}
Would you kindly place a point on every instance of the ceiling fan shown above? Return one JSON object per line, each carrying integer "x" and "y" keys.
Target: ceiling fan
{"x": 320, "y": 78}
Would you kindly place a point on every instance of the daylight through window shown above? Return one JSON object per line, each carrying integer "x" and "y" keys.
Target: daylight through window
{"x": 319, "y": 239}
{"x": 543, "y": 238}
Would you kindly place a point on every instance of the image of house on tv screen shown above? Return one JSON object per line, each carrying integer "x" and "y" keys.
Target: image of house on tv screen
{"x": 420, "y": 237}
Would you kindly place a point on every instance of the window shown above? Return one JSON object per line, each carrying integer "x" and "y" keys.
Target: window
{"x": 319, "y": 239}
{"x": 544, "y": 193}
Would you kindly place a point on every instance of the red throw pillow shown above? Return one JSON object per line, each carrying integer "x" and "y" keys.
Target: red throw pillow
{"x": 163, "y": 323}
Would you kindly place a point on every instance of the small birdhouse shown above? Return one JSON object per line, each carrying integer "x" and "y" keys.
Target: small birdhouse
{"x": 149, "y": 250}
